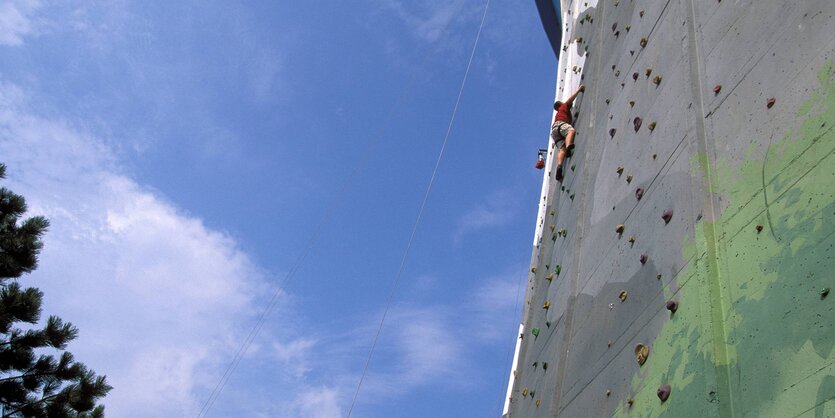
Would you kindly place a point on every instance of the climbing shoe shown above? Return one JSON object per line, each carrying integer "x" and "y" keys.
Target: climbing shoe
{"x": 559, "y": 173}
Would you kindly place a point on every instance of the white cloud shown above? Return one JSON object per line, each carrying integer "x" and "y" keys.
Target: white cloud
{"x": 496, "y": 210}
{"x": 160, "y": 299}
{"x": 16, "y": 20}
{"x": 426, "y": 20}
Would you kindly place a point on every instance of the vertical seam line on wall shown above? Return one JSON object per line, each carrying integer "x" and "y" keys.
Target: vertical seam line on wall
{"x": 717, "y": 320}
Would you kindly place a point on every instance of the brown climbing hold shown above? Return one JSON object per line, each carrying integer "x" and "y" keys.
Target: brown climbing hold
{"x": 612, "y": 132}
{"x": 656, "y": 80}
{"x": 620, "y": 228}
{"x": 639, "y": 193}
{"x": 667, "y": 216}
{"x": 538, "y": 401}
{"x": 635, "y": 76}
{"x": 524, "y": 392}
{"x": 552, "y": 226}
{"x": 759, "y": 228}
{"x": 549, "y": 277}
{"x": 644, "y": 258}
{"x": 533, "y": 269}
{"x": 643, "y": 42}
{"x": 717, "y": 89}
{"x": 770, "y": 102}
{"x": 664, "y": 393}
{"x": 672, "y": 306}
{"x": 630, "y": 401}
{"x": 546, "y": 305}
{"x": 623, "y": 295}
{"x": 579, "y": 39}
{"x": 651, "y": 126}
{"x": 629, "y": 178}
{"x": 641, "y": 13}
{"x": 637, "y": 123}
{"x": 648, "y": 71}
{"x": 641, "y": 353}
{"x": 620, "y": 170}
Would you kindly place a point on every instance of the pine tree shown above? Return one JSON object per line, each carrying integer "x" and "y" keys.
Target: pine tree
{"x": 33, "y": 382}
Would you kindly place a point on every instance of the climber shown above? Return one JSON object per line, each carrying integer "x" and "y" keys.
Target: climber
{"x": 561, "y": 130}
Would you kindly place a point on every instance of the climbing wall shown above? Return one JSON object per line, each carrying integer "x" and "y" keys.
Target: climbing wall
{"x": 683, "y": 266}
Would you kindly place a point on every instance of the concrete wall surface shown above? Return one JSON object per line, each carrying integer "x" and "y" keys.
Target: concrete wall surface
{"x": 749, "y": 182}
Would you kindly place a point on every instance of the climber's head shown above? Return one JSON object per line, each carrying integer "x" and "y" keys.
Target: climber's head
{"x": 557, "y": 105}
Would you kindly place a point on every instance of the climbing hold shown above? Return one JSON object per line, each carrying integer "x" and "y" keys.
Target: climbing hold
{"x": 664, "y": 392}
{"x": 552, "y": 226}
{"x": 614, "y": 26}
{"x": 544, "y": 366}
{"x": 824, "y": 292}
{"x": 759, "y": 228}
{"x": 622, "y": 85}
{"x": 639, "y": 193}
{"x": 540, "y": 164}
{"x": 717, "y": 89}
{"x": 620, "y": 228}
{"x": 607, "y": 100}
{"x": 628, "y": 27}
{"x": 611, "y": 306}
{"x": 571, "y": 196}
{"x": 549, "y": 277}
{"x": 554, "y": 237}
{"x": 535, "y": 332}
{"x": 672, "y": 306}
{"x": 617, "y": 73}
{"x": 641, "y": 353}
{"x": 546, "y": 305}
{"x": 612, "y": 132}
{"x": 644, "y": 258}
{"x": 552, "y": 213}
{"x": 613, "y": 67}
{"x": 656, "y": 80}
{"x": 588, "y": 17}
{"x": 533, "y": 393}
{"x": 538, "y": 401}
{"x": 632, "y": 52}
{"x": 770, "y": 102}
{"x": 654, "y": 156}
{"x": 579, "y": 39}
{"x": 573, "y": 166}
{"x": 547, "y": 324}
{"x": 635, "y": 76}
{"x": 524, "y": 392}
{"x": 651, "y": 126}
{"x": 648, "y": 71}
{"x": 667, "y": 216}
{"x": 533, "y": 269}
{"x": 630, "y": 401}
{"x": 637, "y": 123}
{"x": 608, "y": 392}
{"x": 536, "y": 363}
{"x": 658, "y": 276}
{"x": 632, "y": 240}
{"x": 558, "y": 269}
{"x": 620, "y": 169}
{"x": 623, "y": 295}
{"x": 616, "y": 3}
{"x": 641, "y": 13}
{"x": 643, "y": 42}
{"x": 617, "y": 34}
{"x": 629, "y": 178}
{"x": 632, "y": 103}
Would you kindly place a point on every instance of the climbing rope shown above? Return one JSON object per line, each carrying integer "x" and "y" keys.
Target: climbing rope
{"x": 420, "y": 213}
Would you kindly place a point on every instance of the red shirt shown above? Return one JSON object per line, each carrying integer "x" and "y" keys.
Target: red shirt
{"x": 563, "y": 113}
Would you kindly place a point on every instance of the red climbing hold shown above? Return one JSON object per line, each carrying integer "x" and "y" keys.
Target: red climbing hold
{"x": 540, "y": 164}
{"x": 770, "y": 102}
{"x": 664, "y": 392}
{"x": 644, "y": 258}
{"x": 717, "y": 89}
{"x": 672, "y": 306}
{"x": 637, "y": 122}
{"x": 667, "y": 216}
{"x": 639, "y": 193}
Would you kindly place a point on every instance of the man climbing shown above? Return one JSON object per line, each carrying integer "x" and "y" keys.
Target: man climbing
{"x": 561, "y": 130}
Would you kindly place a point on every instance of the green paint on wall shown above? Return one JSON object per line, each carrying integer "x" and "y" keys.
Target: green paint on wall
{"x": 752, "y": 336}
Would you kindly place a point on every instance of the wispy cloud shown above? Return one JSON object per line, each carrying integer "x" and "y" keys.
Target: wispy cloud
{"x": 426, "y": 20}
{"x": 495, "y": 211}
{"x": 17, "y": 20}
{"x": 158, "y": 296}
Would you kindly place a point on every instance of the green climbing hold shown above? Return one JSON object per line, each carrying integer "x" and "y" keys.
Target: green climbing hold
{"x": 558, "y": 269}
{"x": 535, "y": 332}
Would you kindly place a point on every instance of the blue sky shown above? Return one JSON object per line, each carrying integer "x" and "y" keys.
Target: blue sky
{"x": 184, "y": 152}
